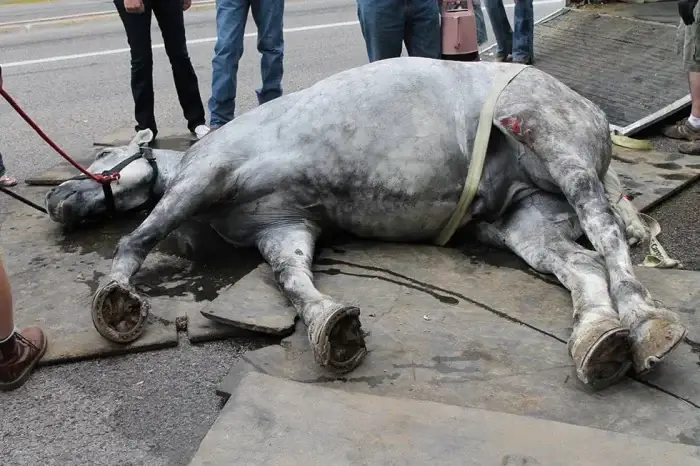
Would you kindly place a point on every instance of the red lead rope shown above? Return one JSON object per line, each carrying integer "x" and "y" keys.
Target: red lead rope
{"x": 102, "y": 179}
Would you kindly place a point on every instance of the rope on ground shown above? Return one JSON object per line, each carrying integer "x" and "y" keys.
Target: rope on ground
{"x": 638, "y": 226}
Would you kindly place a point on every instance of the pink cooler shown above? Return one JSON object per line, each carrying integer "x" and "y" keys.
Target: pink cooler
{"x": 459, "y": 31}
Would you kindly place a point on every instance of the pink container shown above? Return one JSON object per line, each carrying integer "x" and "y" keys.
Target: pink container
{"x": 459, "y": 30}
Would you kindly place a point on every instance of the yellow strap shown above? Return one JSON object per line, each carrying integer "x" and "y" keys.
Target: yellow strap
{"x": 476, "y": 165}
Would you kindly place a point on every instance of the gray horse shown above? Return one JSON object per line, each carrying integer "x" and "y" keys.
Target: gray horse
{"x": 382, "y": 151}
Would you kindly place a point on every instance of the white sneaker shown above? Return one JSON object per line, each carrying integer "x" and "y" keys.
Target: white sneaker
{"x": 201, "y": 131}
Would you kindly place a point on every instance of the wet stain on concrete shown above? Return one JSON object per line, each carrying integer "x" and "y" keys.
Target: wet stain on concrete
{"x": 443, "y": 366}
{"x": 519, "y": 460}
{"x": 692, "y": 437}
{"x": 440, "y": 297}
{"x": 694, "y": 166}
{"x": 372, "y": 381}
{"x": 667, "y": 166}
{"x": 677, "y": 176}
{"x": 694, "y": 347}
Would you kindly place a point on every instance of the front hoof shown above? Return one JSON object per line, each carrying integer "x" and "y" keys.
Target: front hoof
{"x": 337, "y": 339}
{"x": 601, "y": 354}
{"x": 118, "y": 313}
{"x": 653, "y": 340}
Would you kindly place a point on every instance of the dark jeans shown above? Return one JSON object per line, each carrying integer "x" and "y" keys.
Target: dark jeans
{"x": 2, "y": 166}
{"x": 231, "y": 16}
{"x": 518, "y": 41}
{"x": 387, "y": 24}
{"x": 171, "y": 21}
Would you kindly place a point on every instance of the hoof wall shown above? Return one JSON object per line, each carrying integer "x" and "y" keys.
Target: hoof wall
{"x": 654, "y": 340}
{"x": 602, "y": 355}
{"x": 119, "y": 314}
{"x": 337, "y": 339}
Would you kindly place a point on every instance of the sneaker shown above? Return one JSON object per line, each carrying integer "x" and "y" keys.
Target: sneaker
{"x": 19, "y": 355}
{"x": 8, "y": 181}
{"x": 503, "y": 58}
{"x": 690, "y": 148}
{"x": 201, "y": 131}
{"x": 682, "y": 130}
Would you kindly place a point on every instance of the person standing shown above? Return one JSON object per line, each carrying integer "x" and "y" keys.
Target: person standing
{"x": 136, "y": 18}
{"x": 388, "y": 24}
{"x": 19, "y": 351}
{"x": 687, "y": 37}
{"x": 517, "y": 44}
{"x": 231, "y": 18}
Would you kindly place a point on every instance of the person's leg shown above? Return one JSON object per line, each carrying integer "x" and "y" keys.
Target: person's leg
{"x": 19, "y": 351}
{"x": 171, "y": 21}
{"x": 422, "y": 30}
{"x": 231, "y": 18}
{"x": 138, "y": 35}
{"x": 5, "y": 180}
{"x": 382, "y": 24}
{"x": 501, "y": 28}
{"x": 267, "y": 15}
{"x": 482, "y": 35}
{"x": 523, "y": 33}
{"x": 689, "y": 47}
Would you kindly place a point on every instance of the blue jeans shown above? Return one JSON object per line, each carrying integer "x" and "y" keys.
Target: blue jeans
{"x": 387, "y": 24}
{"x": 231, "y": 16}
{"x": 520, "y": 41}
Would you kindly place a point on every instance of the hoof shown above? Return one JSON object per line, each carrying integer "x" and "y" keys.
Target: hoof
{"x": 118, "y": 313}
{"x": 601, "y": 354}
{"x": 337, "y": 339}
{"x": 653, "y": 340}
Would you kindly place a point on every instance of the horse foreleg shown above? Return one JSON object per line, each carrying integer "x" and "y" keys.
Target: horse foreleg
{"x": 119, "y": 313}
{"x": 334, "y": 329}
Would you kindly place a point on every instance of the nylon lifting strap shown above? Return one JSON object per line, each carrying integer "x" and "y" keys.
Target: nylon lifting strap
{"x": 476, "y": 165}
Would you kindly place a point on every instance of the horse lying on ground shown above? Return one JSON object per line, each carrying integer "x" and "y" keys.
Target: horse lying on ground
{"x": 382, "y": 151}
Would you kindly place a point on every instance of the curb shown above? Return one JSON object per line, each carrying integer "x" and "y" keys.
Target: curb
{"x": 26, "y": 25}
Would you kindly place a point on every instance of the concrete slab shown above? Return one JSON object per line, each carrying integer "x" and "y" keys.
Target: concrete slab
{"x": 167, "y": 138}
{"x": 258, "y": 303}
{"x": 54, "y": 274}
{"x": 459, "y": 330}
{"x": 300, "y": 424}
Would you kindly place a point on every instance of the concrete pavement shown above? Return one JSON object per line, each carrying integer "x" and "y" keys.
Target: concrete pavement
{"x": 150, "y": 408}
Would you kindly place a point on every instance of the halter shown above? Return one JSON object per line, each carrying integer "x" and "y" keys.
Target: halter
{"x": 112, "y": 174}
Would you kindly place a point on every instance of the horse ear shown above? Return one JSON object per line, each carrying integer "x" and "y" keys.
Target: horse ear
{"x": 142, "y": 137}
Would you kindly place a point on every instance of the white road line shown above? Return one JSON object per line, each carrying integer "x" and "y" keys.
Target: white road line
{"x": 102, "y": 53}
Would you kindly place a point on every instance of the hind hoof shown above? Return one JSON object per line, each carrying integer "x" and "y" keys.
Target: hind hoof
{"x": 653, "y": 341}
{"x": 119, "y": 314}
{"x": 601, "y": 354}
{"x": 337, "y": 339}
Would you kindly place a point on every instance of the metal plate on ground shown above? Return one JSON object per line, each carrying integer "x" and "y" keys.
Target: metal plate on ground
{"x": 54, "y": 273}
{"x": 634, "y": 73}
{"x": 456, "y": 329}
{"x": 652, "y": 176}
{"x": 289, "y": 423}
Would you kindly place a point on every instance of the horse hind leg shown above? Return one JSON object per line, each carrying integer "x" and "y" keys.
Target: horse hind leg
{"x": 334, "y": 329}
{"x": 540, "y": 230}
{"x": 571, "y": 140}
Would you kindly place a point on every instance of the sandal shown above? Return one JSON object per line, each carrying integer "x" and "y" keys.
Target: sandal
{"x": 7, "y": 181}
